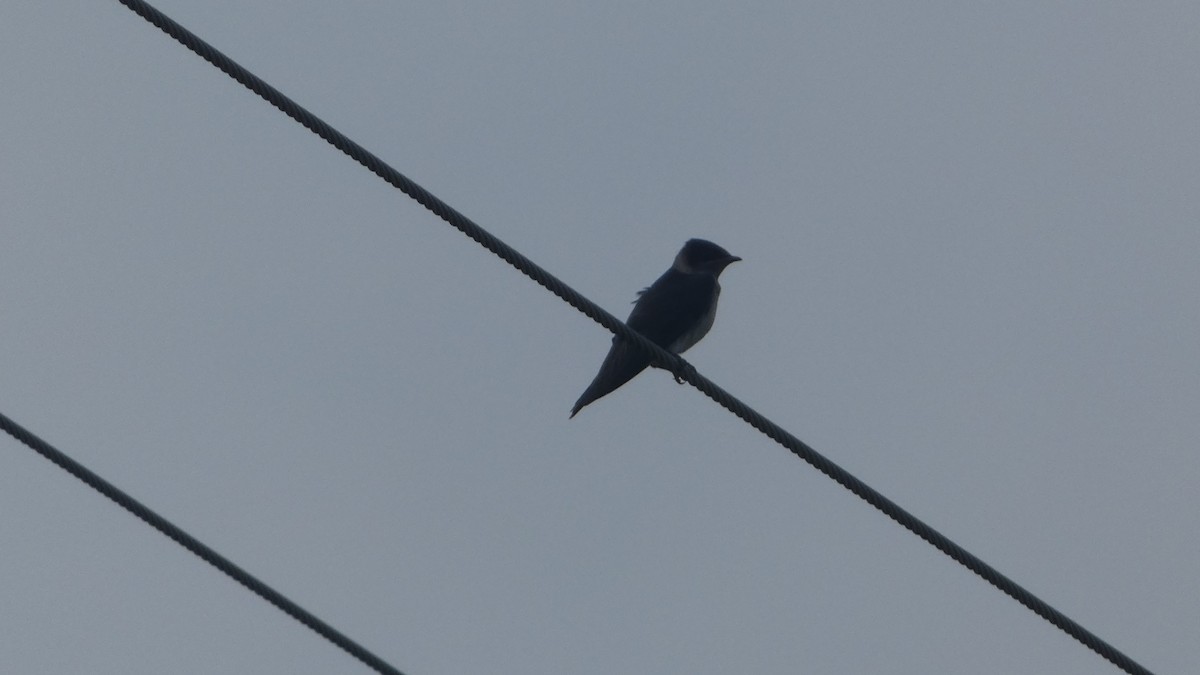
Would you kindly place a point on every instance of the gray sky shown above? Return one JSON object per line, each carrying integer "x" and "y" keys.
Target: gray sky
{"x": 970, "y": 236}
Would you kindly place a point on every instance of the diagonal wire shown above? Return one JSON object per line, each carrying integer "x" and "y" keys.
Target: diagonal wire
{"x": 599, "y": 315}
{"x": 194, "y": 545}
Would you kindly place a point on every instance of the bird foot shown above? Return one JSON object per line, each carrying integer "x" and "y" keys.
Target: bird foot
{"x": 684, "y": 369}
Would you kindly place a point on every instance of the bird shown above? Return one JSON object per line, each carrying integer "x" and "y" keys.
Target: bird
{"x": 674, "y": 313}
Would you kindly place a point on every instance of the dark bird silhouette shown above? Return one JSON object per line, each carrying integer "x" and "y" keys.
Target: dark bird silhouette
{"x": 674, "y": 313}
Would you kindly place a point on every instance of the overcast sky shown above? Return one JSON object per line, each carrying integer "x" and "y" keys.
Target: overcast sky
{"x": 970, "y": 235}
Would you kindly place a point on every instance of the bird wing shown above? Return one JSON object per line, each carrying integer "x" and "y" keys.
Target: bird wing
{"x": 667, "y": 310}
{"x": 672, "y": 306}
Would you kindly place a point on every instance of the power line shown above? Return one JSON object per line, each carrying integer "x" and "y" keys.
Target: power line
{"x": 596, "y": 313}
{"x": 194, "y": 545}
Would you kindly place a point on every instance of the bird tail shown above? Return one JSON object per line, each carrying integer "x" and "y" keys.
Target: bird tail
{"x": 623, "y": 362}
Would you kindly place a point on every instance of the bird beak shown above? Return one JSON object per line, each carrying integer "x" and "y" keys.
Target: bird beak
{"x": 725, "y": 262}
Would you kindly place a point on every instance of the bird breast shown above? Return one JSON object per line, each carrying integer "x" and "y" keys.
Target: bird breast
{"x": 691, "y": 337}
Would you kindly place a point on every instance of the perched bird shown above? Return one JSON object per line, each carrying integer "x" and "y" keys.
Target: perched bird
{"x": 673, "y": 313}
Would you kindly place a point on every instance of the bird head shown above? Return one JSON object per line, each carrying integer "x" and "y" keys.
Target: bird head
{"x": 703, "y": 257}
